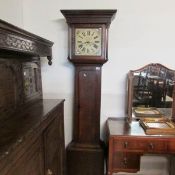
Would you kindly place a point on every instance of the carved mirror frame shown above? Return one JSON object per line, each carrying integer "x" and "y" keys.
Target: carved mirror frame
{"x": 130, "y": 87}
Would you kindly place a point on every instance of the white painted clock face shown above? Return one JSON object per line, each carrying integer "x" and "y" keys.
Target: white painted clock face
{"x": 88, "y": 41}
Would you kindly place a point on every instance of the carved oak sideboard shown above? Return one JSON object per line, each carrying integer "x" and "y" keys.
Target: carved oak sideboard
{"x": 31, "y": 128}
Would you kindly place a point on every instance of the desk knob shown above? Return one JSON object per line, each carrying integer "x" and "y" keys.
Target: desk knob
{"x": 151, "y": 145}
{"x": 125, "y": 161}
{"x": 125, "y": 144}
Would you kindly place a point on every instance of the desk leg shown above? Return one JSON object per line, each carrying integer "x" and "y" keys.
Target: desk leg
{"x": 172, "y": 165}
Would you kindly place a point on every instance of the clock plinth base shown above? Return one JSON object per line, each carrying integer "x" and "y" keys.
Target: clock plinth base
{"x": 85, "y": 160}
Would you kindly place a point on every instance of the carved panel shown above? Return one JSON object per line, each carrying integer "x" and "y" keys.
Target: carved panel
{"x": 15, "y": 42}
{"x": 11, "y": 92}
{"x": 19, "y": 83}
{"x": 32, "y": 79}
{"x": 19, "y": 41}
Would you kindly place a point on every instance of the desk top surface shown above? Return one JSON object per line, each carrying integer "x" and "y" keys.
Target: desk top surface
{"x": 120, "y": 127}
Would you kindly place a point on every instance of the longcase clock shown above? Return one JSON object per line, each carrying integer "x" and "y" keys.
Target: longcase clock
{"x": 88, "y": 44}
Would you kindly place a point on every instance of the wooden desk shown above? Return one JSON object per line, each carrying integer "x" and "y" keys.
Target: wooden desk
{"x": 128, "y": 142}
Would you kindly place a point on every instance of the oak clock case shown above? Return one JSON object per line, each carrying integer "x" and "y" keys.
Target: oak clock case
{"x": 88, "y": 38}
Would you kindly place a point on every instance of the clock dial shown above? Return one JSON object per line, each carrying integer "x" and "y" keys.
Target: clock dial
{"x": 88, "y": 41}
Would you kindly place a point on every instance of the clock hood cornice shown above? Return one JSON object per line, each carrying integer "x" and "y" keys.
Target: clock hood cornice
{"x": 88, "y": 19}
{"x": 90, "y": 16}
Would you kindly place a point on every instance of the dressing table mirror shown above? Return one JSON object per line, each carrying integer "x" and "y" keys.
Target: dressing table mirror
{"x": 150, "y": 92}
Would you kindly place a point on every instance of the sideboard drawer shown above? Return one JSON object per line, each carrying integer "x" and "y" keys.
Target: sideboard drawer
{"x": 139, "y": 145}
{"x": 127, "y": 162}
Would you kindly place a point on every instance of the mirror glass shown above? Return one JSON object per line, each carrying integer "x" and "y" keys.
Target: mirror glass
{"x": 150, "y": 91}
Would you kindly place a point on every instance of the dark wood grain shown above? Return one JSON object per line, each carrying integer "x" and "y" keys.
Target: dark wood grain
{"x": 87, "y": 105}
{"x": 34, "y": 159}
{"x": 54, "y": 143}
{"x": 25, "y": 126}
{"x": 20, "y": 83}
{"x": 96, "y": 16}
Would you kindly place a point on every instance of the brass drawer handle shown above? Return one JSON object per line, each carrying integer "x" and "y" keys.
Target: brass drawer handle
{"x": 49, "y": 172}
{"x": 125, "y": 144}
{"x": 151, "y": 145}
{"x": 125, "y": 161}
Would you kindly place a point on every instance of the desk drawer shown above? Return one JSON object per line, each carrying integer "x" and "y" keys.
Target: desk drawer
{"x": 171, "y": 146}
{"x": 127, "y": 162}
{"x": 140, "y": 145}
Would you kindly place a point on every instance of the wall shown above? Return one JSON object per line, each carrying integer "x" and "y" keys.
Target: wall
{"x": 11, "y": 11}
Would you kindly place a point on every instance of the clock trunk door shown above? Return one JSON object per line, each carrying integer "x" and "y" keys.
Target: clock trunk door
{"x": 88, "y": 93}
